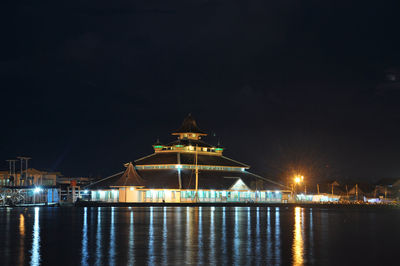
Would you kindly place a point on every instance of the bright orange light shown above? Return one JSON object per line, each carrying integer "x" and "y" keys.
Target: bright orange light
{"x": 298, "y": 179}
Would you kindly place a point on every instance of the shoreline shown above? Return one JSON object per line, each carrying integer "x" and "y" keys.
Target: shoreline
{"x": 237, "y": 204}
{"x": 94, "y": 204}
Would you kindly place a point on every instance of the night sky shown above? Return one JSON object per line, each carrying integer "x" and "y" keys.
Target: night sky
{"x": 286, "y": 86}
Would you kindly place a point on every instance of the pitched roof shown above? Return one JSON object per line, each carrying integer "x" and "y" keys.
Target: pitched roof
{"x": 387, "y": 181}
{"x": 362, "y": 188}
{"x": 188, "y": 158}
{"x": 208, "y": 179}
{"x": 189, "y": 125}
{"x": 158, "y": 158}
{"x": 128, "y": 178}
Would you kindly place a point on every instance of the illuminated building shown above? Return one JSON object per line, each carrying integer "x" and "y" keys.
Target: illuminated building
{"x": 171, "y": 173}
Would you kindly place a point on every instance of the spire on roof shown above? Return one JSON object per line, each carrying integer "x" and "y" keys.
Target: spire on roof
{"x": 219, "y": 144}
{"x": 189, "y": 125}
{"x": 158, "y": 142}
{"x": 129, "y": 178}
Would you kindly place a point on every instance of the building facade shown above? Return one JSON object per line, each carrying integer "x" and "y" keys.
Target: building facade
{"x": 187, "y": 170}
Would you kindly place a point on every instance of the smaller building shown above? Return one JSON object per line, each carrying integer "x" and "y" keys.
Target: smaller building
{"x": 29, "y": 177}
{"x": 387, "y": 188}
{"x": 119, "y": 188}
{"x": 27, "y": 195}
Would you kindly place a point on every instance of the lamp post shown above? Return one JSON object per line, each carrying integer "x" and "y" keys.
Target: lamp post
{"x": 297, "y": 180}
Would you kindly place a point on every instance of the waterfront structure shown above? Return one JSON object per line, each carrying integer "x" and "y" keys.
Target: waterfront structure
{"x": 29, "y": 185}
{"x": 29, "y": 177}
{"x": 187, "y": 170}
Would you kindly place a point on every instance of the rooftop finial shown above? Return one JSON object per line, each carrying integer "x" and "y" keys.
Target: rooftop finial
{"x": 189, "y": 125}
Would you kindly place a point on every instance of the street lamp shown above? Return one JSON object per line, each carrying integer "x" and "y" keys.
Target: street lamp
{"x": 297, "y": 180}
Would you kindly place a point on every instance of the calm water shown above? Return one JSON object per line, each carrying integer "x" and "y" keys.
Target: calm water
{"x": 183, "y": 235}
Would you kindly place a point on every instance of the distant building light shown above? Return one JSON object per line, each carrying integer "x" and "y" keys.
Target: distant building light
{"x": 178, "y": 166}
{"x": 37, "y": 189}
{"x": 218, "y": 149}
{"x": 158, "y": 147}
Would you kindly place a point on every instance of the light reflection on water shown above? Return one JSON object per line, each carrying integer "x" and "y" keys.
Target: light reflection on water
{"x": 200, "y": 234}
{"x": 164, "y": 237}
{"x": 248, "y": 240}
{"x": 236, "y": 241}
{"x": 150, "y": 247}
{"x": 269, "y": 240}
{"x": 277, "y": 236}
{"x": 212, "y": 234}
{"x": 258, "y": 245}
{"x": 311, "y": 237}
{"x": 84, "y": 239}
{"x": 224, "y": 240}
{"x": 22, "y": 239}
{"x": 35, "y": 257}
{"x": 98, "y": 238}
{"x": 112, "y": 238}
{"x": 131, "y": 243}
{"x": 298, "y": 245}
{"x": 188, "y": 255}
{"x": 7, "y": 247}
{"x": 174, "y": 236}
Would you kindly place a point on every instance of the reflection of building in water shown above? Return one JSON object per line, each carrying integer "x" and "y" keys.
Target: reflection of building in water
{"x": 35, "y": 251}
{"x": 186, "y": 170}
{"x": 21, "y": 239}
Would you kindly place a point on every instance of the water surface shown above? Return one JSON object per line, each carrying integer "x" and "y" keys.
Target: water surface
{"x": 198, "y": 235}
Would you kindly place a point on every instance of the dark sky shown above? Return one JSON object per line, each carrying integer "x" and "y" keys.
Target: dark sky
{"x": 285, "y": 85}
